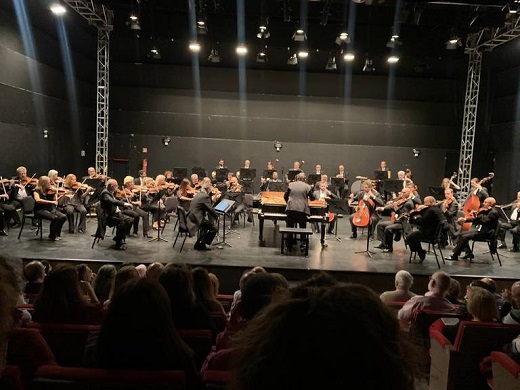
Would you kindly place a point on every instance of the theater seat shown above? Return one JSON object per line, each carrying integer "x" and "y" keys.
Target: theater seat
{"x": 56, "y": 378}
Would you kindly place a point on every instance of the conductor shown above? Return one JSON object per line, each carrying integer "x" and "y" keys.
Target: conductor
{"x": 200, "y": 206}
{"x": 297, "y": 195}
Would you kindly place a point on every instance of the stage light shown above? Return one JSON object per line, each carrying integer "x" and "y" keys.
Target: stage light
{"x": 331, "y": 63}
{"x": 261, "y": 56}
{"x": 349, "y": 56}
{"x": 369, "y": 66}
{"x": 303, "y": 53}
{"x": 263, "y": 33}
{"x": 416, "y": 153}
{"x": 292, "y": 60}
{"x": 299, "y": 36}
{"x": 194, "y": 47}
{"x": 453, "y": 43}
{"x": 393, "y": 59}
{"x": 241, "y": 50}
{"x": 57, "y": 8}
{"x": 166, "y": 140}
{"x": 278, "y": 146}
{"x": 154, "y": 53}
{"x": 394, "y": 41}
{"x": 45, "y": 133}
{"x": 342, "y": 39}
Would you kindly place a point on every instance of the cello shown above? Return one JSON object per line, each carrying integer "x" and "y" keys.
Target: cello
{"x": 472, "y": 204}
{"x": 361, "y": 217}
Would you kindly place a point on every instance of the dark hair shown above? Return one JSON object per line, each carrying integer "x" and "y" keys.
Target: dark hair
{"x": 33, "y": 270}
{"x": 257, "y": 293}
{"x": 138, "y": 331}
{"x": 103, "y": 282}
{"x": 82, "y": 271}
{"x": 303, "y": 341}
{"x": 178, "y": 283}
{"x": 60, "y": 298}
{"x": 47, "y": 266}
{"x": 123, "y": 275}
{"x": 203, "y": 288}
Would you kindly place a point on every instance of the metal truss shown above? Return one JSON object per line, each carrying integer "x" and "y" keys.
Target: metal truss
{"x": 477, "y": 43}
{"x": 100, "y": 17}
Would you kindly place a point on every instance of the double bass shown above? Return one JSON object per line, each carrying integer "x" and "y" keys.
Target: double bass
{"x": 472, "y": 204}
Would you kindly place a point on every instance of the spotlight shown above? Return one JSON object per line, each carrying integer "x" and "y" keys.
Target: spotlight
{"x": 45, "y": 133}
{"x": 393, "y": 42}
{"x": 133, "y": 17}
{"x": 134, "y": 24}
{"x": 214, "y": 57}
{"x": 261, "y": 56}
{"x": 349, "y": 56}
{"x": 369, "y": 66}
{"x": 453, "y": 43}
{"x": 194, "y": 47}
{"x": 331, "y": 63}
{"x": 342, "y": 38}
{"x": 241, "y": 50}
{"x": 293, "y": 60}
{"x": 358, "y": 1}
{"x": 263, "y": 33}
{"x": 278, "y": 146}
{"x": 303, "y": 53}
{"x": 393, "y": 59}
{"x": 299, "y": 36}
{"x": 416, "y": 153}
{"x": 166, "y": 140}
{"x": 57, "y": 8}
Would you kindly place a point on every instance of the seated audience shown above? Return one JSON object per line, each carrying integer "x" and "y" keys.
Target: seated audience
{"x": 153, "y": 271}
{"x": 123, "y": 275}
{"x": 510, "y": 312}
{"x": 402, "y": 293}
{"x": 103, "y": 281}
{"x": 302, "y": 342}
{"x": 34, "y": 273}
{"x": 433, "y": 300}
{"x": 453, "y": 292}
{"x": 141, "y": 270}
{"x": 138, "y": 333}
{"x": 204, "y": 291}
{"x": 61, "y": 301}
{"x": 245, "y": 275}
{"x": 86, "y": 276}
{"x": 187, "y": 312}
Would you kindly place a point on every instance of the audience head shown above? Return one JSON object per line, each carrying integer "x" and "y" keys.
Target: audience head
{"x": 258, "y": 291}
{"x": 84, "y": 273}
{"x": 202, "y": 286}
{"x": 138, "y": 331}
{"x": 154, "y": 270}
{"x": 178, "y": 283}
{"x": 453, "y": 292}
{"x": 48, "y": 266}
{"x": 215, "y": 284}
{"x": 439, "y": 282}
{"x": 403, "y": 280}
{"x": 482, "y": 305}
{"x": 34, "y": 271}
{"x": 123, "y": 275}
{"x": 491, "y": 283}
{"x": 141, "y": 270}
{"x": 104, "y": 280}
{"x": 301, "y": 341}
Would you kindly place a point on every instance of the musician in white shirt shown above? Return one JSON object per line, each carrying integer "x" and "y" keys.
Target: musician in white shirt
{"x": 511, "y": 225}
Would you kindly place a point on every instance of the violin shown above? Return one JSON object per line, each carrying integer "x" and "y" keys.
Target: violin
{"x": 445, "y": 204}
{"x": 53, "y": 190}
{"x": 32, "y": 181}
{"x": 7, "y": 182}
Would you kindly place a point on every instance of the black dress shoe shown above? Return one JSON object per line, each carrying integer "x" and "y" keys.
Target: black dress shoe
{"x": 202, "y": 247}
{"x": 135, "y": 235}
{"x": 397, "y": 236}
{"x": 502, "y": 246}
{"x": 452, "y": 258}
{"x": 468, "y": 256}
{"x": 3, "y": 233}
{"x": 388, "y": 250}
{"x": 353, "y": 235}
{"x": 380, "y": 246}
{"x": 422, "y": 255}
{"x": 120, "y": 247}
{"x": 514, "y": 249}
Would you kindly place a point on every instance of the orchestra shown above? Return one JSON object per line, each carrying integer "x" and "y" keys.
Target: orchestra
{"x": 59, "y": 199}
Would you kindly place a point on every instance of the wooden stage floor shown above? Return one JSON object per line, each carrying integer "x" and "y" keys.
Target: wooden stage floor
{"x": 338, "y": 257}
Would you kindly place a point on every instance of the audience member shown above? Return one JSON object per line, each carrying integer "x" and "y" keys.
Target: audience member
{"x": 86, "y": 276}
{"x": 402, "y": 293}
{"x": 453, "y": 292}
{"x": 187, "y": 312}
{"x": 245, "y": 275}
{"x": 103, "y": 281}
{"x": 153, "y": 271}
{"x": 123, "y": 275}
{"x": 203, "y": 290}
{"x": 433, "y": 299}
{"x": 301, "y": 342}
{"x": 48, "y": 266}
{"x": 141, "y": 270}
{"x": 34, "y": 273}
{"x": 493, "y": 289}
{"x": 138, "y": 333}
{"x": 60, "y": 300}
{"x": 511, "y": 310}
{"x": 215, "y": 285}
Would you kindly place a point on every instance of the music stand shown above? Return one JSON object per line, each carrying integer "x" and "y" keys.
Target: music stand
{"x": 98, "y": 185}
{"x": 201, "y": 172}
{"x": 179, "y": 174}
{"x": 159, "y": 238}
{"x": 292, "y": 174}
{"x": 277, "y": 186}
{"x": 367, "y": 250}
{"x": 337, "y": 185}
{"x": 393, "y": 185}
{"x": 237, "y": 198}
{"x": 247, "y": 176}
{"x": 222, "y": 209}
{"x": 268, "y": 173}
{"x": 338, "y": 207}
{"x": 222, "y": 174}
{"x": 313, "y": 178}
{"x": 382, "y": 175}
{"x": 437, "y": 192}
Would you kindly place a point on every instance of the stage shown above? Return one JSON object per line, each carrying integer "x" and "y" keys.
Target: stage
{"x": 245, "y": 251}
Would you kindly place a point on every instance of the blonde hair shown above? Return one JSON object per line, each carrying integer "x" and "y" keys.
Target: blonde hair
{"x": 69, "y": 179}
{"x": 128, "y": 179}
{"x": 482, "y": 305}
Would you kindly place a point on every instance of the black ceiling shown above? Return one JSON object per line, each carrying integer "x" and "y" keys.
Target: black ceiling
{"x": 424, "y": 27}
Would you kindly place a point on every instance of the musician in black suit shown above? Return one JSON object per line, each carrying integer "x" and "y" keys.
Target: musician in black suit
{"x": 200, "y": 207}
{"x": 477, "y": 189}
{"x": 112, "y": 209}
{"x": 368, "y": 193}
{"x": 450, "y": 209}
{"x": 297, "y": 197}
{"x": 427, "y": 217}
{"x": 139, "y": 181}
{"x": 510, "y": 224}
{"x": 324, "y": 193}
{"x": 387, "y": 229}
{"x": 342, "y": 174}
{"x": 484, "y": 224}
{"x": 267, "y": 181}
